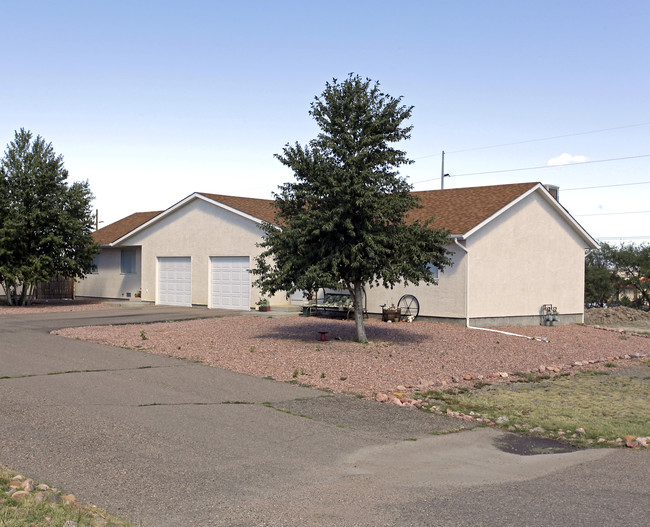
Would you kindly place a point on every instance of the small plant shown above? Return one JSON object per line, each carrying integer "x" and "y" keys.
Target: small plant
{"x": 322, "y": 375}
{"x": 143, "y": 335}
{"x": 610, "y": 365}
{"x": 251, "y": 349}
{"x": 343, "y": 378}
{"x": 295, "y": 374}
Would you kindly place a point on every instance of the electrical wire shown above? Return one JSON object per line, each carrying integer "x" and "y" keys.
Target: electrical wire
{"x": 607, "y": 186}
{"x": 613, "y": 213}
{"x": 537, "y": 140}
{"x": 535, "y": 168}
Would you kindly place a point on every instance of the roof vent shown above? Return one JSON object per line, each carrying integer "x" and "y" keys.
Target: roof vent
{"x": 553, "y": 190}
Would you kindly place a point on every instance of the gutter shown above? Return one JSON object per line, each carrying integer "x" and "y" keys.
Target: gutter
{"x": 466, "y": 282}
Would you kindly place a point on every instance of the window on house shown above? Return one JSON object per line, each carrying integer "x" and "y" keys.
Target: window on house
{"x": 128, "y": 261}
{"x": 434, "y": 270}
{"x": 94, "y": 265}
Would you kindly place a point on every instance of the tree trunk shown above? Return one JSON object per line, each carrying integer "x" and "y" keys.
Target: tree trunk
{"x": 358, "y": 313}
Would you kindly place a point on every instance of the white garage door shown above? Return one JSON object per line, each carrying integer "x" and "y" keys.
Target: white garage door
{"x": 230, "y": 282}
{"x": 175, "y": 281}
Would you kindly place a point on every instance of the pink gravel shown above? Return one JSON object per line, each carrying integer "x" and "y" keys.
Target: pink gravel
{"x": 422, "y": 353}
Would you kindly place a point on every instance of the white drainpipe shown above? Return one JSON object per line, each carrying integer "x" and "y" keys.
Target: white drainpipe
{"x": 466, "y": 282}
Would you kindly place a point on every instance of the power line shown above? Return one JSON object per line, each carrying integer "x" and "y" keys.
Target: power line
{"x": 538, "y": 139}
{"x": 536, "y": 167}
{"x": 613, "y": 213}
{"x": 622, "y": 237}
{"x": 607, "y": 186}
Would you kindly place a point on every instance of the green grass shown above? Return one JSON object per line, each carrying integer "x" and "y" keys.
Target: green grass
{"x": 605, "y": 405}
{"x": 46, "y": 513}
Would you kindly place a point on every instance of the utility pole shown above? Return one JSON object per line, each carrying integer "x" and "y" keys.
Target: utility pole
{"x": 442, "y": 172}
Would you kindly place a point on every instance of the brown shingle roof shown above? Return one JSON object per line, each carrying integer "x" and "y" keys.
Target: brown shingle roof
{"x": 115, "y": 231}
{"x": 458, "y": 210}
{"x": 461, "y": 209}
{"x": 258, "y": 208}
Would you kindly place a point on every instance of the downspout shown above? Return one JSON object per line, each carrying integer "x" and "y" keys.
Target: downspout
{"x": 466, "y": 282}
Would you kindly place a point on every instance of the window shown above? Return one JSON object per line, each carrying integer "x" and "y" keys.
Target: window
{"x": 127, "y": 261}
{"x": 434, "y": 270}
{"x": 94, "y": 265}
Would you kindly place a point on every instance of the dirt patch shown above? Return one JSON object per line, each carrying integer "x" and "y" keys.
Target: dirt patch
{"x": 399, "y": 356}
{"x": 618, "y": 316}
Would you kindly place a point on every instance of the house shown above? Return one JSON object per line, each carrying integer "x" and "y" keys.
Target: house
{"x": 515, "y": 249}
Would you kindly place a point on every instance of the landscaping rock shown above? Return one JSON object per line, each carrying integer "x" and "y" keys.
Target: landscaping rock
{"x": 502, "y": 420}
{"x": 381, "y": 397}
{"x": 20, "y": 495}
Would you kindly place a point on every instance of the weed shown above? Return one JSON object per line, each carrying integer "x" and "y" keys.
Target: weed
{"x": 251, "y": 349}
{"x": 448, "y": 431}
{"x": 610, "y": 365}
{"x": 143, "y": 335}
{"x": 295, "y": 374}
{"x": 322, "y": 375}
{"x": 480, "y": 384}
{"x": 343, "y": 378}
{"x": 179, "y": 347}
{"x": 410, "y": 439}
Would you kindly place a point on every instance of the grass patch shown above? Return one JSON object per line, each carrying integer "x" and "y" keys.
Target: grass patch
{"x": 52, "y": 511}
{"x": 608, "y": 406}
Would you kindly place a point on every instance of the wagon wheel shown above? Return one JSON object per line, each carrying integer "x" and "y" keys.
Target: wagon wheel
{"x": 410, "y": 306}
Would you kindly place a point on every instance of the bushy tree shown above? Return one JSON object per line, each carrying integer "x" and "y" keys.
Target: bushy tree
{"x": 627, "y": 265}
{"x": 45, "y": 225}
{"x": 344, "y": 223}
{"x": 599, "y": 278}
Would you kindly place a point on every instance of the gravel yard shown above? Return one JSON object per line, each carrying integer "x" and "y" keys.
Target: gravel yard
{"x": 419, "y": 354}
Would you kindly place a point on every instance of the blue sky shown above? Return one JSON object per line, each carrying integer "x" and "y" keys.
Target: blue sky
{"x": 151, "y": 101}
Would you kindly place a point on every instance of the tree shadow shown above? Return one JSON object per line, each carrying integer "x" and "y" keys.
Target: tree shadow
{"x": 344, "y": 330}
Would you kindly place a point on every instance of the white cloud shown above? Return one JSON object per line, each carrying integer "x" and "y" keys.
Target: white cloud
{"x": 565, "y": 159}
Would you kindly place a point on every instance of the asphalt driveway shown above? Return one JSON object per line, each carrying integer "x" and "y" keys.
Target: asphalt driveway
{"x": 172, "y": 443}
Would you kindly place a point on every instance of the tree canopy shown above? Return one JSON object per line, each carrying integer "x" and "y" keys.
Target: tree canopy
{"x": 343, "y": 223}
{"x": 610, "y": 269}
{"x": 45, "y": 225}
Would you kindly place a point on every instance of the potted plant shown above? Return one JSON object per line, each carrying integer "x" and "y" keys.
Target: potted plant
{"x": 264, "y": 305}
{"x": 391, "y": 313}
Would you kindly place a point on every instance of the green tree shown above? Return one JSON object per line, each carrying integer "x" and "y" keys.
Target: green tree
{"x": 45, "y": 225}
{"x": 344, "y": 223}
{"x": 631, "y": 264}
{"x": 599, "y": 278}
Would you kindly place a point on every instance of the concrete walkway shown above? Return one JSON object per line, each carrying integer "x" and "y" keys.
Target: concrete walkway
{"x": 173, "y": 443}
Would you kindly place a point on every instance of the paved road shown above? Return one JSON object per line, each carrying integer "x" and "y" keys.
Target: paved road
{"x": 173, "y": 443}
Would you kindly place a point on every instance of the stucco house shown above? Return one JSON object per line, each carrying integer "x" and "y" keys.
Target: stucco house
{"x": 515, "y": 248}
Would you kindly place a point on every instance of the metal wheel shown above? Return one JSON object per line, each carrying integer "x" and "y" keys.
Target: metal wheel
{"x": 410, "y": 306}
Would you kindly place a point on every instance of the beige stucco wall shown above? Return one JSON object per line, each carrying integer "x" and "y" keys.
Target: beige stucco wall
{"x": 447, "y": 299}
{"x": 109, "y": 282}
{"x": 198, "y": 230}
{"x": 523, "y": 259}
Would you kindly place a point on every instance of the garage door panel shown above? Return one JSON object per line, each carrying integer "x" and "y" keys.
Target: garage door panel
{"x": 175, "y": 281}
{"x": 230, "y": 282}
